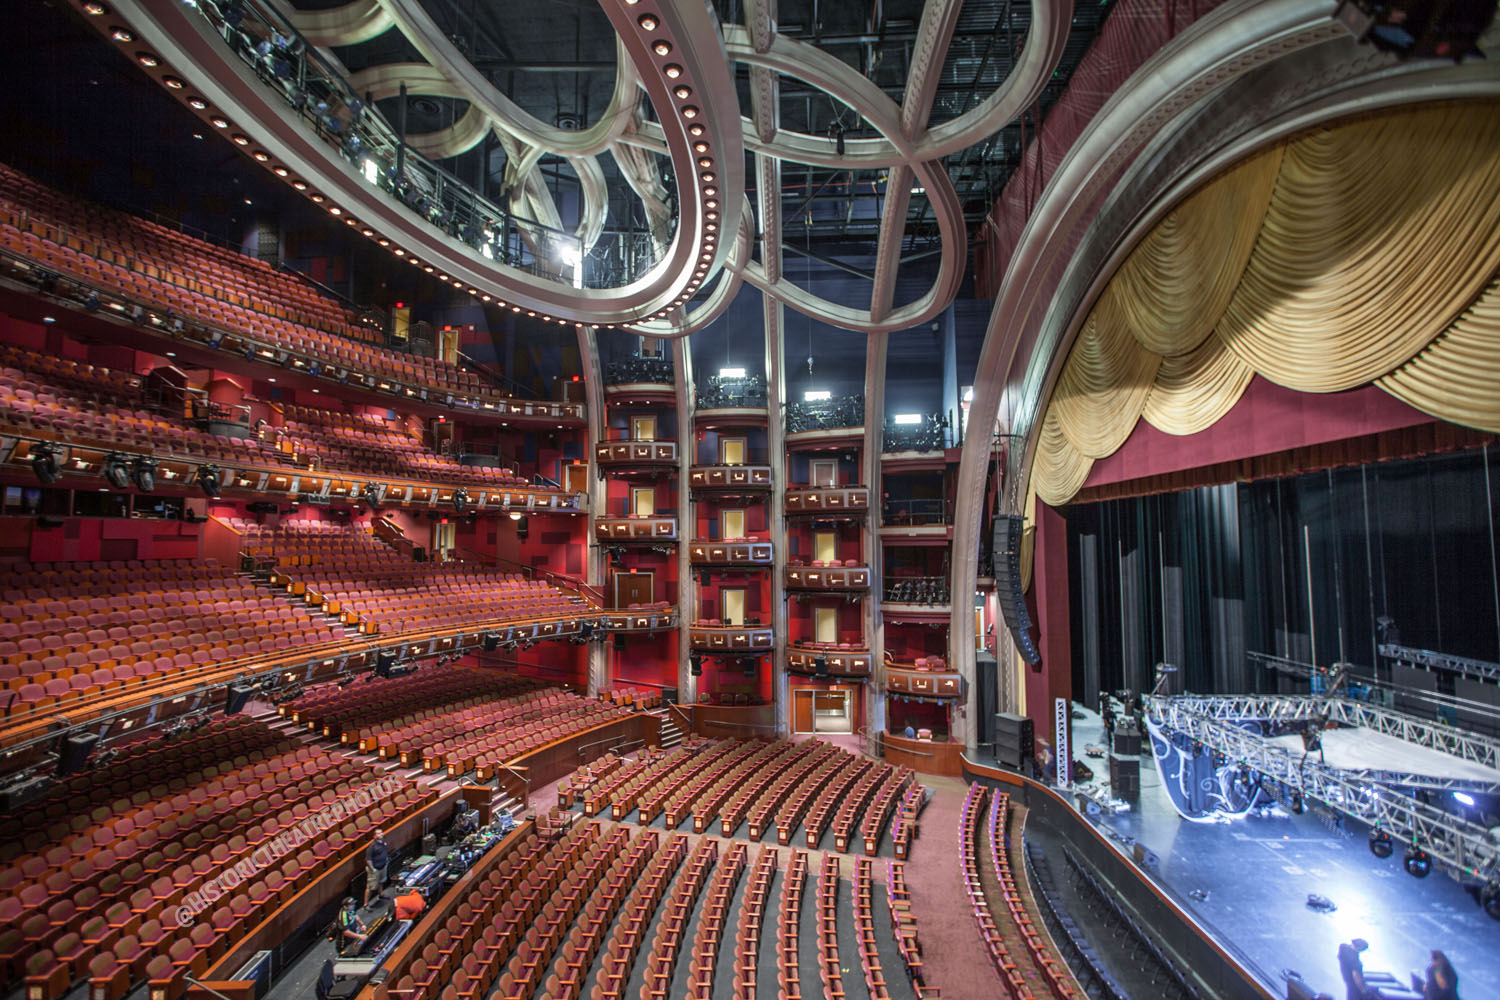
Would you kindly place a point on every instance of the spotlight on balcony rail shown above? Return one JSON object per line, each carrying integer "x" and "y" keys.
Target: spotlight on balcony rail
{"x": 208, "y": 480}
{"x": 460, "y": 500}
{"x": 115, "y": 471}
{"x": 143, "y": 474}
{"x": 371, "y": 493}
{"x": 1380, "y": 844}
{"x": 45, "y": 464}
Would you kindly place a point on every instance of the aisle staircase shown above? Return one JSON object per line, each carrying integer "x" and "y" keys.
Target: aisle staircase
{"x": 671, "y": 734}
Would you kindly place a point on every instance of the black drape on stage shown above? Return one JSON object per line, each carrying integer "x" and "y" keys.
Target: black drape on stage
{"x": 1299, "y": 567}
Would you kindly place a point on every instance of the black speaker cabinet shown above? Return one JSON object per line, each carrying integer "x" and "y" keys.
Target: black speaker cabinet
{"x": 669, "y": 696}
{"x": 1127, "y": 742}
{"x": 1014, "y": 738}
{"x": 1125, "y": 777}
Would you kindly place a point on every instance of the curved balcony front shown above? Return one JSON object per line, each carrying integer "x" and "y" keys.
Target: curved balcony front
{"x": 840, "y": 659}
{"x": 712, "y": 636}
{"x": 730, "y": 478}
{"x": 636, "y": 528}
{"x": 745, "y": 554}
{"x": 827, "y": 501}
{"x": 624, "y": 456}
{"x": 828, "y": 578}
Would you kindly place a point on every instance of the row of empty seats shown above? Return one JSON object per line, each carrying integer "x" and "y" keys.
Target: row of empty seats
{"x": 195, "y": 280}
{"x": 77, "y": 402}
{"x": 328, "y": 439}
{"x": 352, "y": 712}
{"x": 1056, "y": 973}
{"x": 809, "y": 785}
{"x": 349, "y": 572}
{"x": 110, "y": 910}
{"x": 79, "y": 629}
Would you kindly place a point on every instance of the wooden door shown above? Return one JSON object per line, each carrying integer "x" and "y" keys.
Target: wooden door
{"x": 731, "y": 451}
{"x": 802, "y": 710}
{"x": 576, "y": 478}
{"x": 634, "y": 588}
{"x": 643, "y": 501}
{"x": 643, "y": 428}
{"x": 734, "y": 524}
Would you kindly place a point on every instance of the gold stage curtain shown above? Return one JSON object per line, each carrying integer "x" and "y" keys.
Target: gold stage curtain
{"x": 1194, "y": 390}
{"x": 1059, "y": 469}
{"x": 1457, "y": 376}
{"x": 1380, "y": 233}
{"x": 1357, "y": 253}
{"x": 1103, "y": 385}
{"x": 1178, "y": 280}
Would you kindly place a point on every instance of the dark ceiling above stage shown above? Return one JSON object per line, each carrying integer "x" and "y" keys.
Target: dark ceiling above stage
{"x": 556, "y": 59}
{"x": 82, "y": 117}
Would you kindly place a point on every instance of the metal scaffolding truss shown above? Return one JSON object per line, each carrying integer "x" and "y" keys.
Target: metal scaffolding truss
{"x": 1301, "y": 708}
{"x": 1464, "y": 847}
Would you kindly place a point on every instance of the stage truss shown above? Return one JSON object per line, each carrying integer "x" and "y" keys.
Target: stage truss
{"x": 1231, "y": 729}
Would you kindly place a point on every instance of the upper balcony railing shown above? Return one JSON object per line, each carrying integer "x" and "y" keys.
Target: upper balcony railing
{"x": 929, "y": 590}
{"x": 720, "y": 392}
{"x": 639, "y": 371}
{"x": 934, "y": 433}
{"x": 826, "y": 500}
{"x": 822, "y": 415}
{"x": 914, "y": 512}
{"x": 316, "y": 92}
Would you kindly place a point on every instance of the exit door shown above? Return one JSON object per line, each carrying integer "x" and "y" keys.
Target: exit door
{"x": 634, "y": 588}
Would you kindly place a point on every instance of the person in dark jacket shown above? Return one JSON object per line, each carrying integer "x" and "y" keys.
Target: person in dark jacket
{"x": 1441, "y": 982}
{"x": 1352, "y": 968}
{"x": 376, "y": 859}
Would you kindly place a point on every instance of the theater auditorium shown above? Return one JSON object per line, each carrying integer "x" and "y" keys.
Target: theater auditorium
{"x": 733, "y": 499}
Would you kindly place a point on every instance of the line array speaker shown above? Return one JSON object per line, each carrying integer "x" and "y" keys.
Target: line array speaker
{"x": 1009, "y": 530}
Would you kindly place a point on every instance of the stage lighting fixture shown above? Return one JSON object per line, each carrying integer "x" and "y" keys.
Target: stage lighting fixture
{"x": 1380, "y": 844}
{"x": 115, "y": 471}
{"x": 1463, "y": 798}
{"x": 1489, "y": 899}
{"x": 143, "y": 474}
{"x": 820, "y": 666}
{"x": 208, "y": 480}
{"x": 1418, "y": 863}
{"x": 44, "y": 463}
{"x": 460, "y": 500}
{"x": 74, "y": 752}
{"x": 371, "y": 493}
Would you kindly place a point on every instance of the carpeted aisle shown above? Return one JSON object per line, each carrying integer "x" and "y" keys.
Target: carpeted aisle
{"x": 953, "y": 957}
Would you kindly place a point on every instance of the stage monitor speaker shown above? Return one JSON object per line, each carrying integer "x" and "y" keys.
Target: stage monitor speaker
{"x": 1127, "y": 741}
{"x": 1125, "y": 777}
{"x": 236, "y": 697}
{"x": 1014, "y": 738}
{"x": 820, "y": 667}
{"x": 669, "y": 696}
{"x": 492, "y": 641}
{"x": 74, "y": 751}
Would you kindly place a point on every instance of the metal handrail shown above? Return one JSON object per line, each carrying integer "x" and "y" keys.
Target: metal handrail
{"x": 525, "y": 779}
{"x": 619, "y": 743}
{"x": 295, "y": 70}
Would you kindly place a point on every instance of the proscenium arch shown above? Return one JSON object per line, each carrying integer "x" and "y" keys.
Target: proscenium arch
{"x": 1243, "y": 76}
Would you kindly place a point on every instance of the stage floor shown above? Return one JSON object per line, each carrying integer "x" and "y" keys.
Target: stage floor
{"x": 1357, "y": 748}
{"x": 1258, "y": 873}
